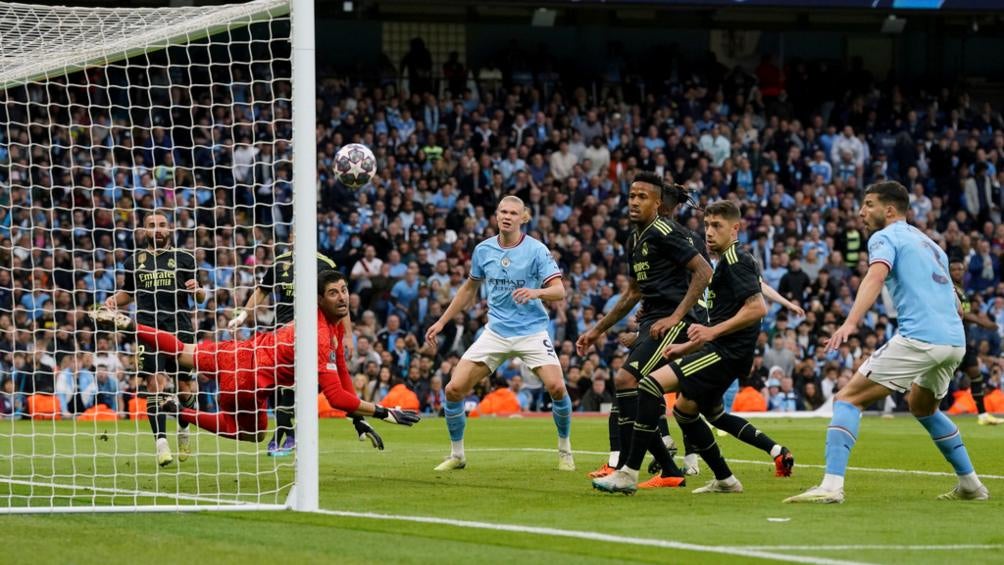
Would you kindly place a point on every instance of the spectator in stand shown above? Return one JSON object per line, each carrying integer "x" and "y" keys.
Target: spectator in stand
{"x": 597, "y": 395}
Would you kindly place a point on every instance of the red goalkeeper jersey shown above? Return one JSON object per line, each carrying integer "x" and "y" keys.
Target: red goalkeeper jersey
{"x": 276, "y": 349}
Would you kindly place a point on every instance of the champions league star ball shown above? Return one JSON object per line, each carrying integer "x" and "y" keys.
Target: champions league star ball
{"x": 355, "y": 165}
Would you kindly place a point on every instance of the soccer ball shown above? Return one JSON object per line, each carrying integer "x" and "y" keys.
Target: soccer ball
{"x": 355, "y": 165}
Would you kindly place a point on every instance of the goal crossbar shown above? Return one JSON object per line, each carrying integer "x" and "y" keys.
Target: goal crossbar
{"x": 64, "y": 39}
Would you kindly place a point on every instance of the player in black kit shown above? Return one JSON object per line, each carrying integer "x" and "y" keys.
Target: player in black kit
{"x": 668, "y": 275}
{"x": 704, "y": 367}
{"x": 278, "y": 281}
{"x": 160, "y": 279}
{"x": 971, "y": 362}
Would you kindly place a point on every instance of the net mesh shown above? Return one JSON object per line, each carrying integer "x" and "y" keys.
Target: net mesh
{"x": 109, "y": 115}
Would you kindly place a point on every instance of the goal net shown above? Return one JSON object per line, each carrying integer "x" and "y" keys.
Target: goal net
{"x": 112, "y": 116}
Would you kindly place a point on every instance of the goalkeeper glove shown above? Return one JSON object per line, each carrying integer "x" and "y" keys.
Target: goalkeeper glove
{"x": 366, "y": 431}
{"x": 240, "y": 315}
{"x": 395, "y": 416}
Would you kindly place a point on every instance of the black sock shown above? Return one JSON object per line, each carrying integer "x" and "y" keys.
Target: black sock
{"x": 658, "y": 448}
{"x": 187, "y": 401}
{"x": 646, "y": 425}
{"x": 285, "y": 411}
{"x": 742, "y": 430}
{"x": 976, "y": 388}
{"x": 627, "y": 403}
{"x": 613, "y": 430}
{"x": 698, "y": 434}
{"x": 158, "y": 421}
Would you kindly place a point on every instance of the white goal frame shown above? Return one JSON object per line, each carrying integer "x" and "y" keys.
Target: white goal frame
{"x": 33, "y": 63}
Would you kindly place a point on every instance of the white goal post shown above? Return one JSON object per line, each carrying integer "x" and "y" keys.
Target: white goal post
{"x": 109, "y": 115}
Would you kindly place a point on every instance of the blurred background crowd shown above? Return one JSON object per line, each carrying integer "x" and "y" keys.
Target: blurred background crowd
{"x": 794, "y": 143}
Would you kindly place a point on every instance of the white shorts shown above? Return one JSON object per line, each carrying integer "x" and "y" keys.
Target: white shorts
{"x": 903, "y": 361}
{"x": 492, "y": 349}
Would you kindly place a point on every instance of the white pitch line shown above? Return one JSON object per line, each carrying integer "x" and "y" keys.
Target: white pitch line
{"x": 868, "y": 547}
{"x": 111, "y": 490}
{"x": 593, "y": 536}
{"x": 751, "y": 462}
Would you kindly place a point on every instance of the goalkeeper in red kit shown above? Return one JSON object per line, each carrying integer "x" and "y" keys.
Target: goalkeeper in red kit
{"x": 248, "y": 371}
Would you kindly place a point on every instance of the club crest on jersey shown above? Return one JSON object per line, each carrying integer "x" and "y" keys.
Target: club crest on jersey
{"x": 170, "y": 263}
{"x": 141, "y": 259}
{"x": 644, "y": 248}
{"x": 505, "y": 262}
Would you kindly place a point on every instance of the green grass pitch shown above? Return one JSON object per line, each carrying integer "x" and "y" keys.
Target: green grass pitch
{"x": 889, "y": 517}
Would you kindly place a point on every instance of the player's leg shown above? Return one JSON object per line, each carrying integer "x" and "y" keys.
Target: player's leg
{"x": 284, "y": 398}
{"x": 925, "y": 395}
{"x": 614, "y": 440}
{"x": 538, "y": 354}
{"x": 651, "y": 390}
{"x": 185, "y": 386}
{"x": 152, "y": 370}
{"x": 702, "y": 441}
{"x": 746, "y": 432}
{"x": 167, "y": 343}
{"x": 971, "y": 367}
{"x": 661, "y": 446}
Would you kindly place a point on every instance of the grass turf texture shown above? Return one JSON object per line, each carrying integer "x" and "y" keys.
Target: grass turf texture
{"x": 507, "y": 484}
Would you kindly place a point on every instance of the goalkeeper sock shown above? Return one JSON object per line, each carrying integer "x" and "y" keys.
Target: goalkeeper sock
{"x": 456, "y": 421}
{"x": 158, "y": 421}
{"x": 561, "y": 411}
{"x": 165, "y": 342}
{"x": 742, "y": 430}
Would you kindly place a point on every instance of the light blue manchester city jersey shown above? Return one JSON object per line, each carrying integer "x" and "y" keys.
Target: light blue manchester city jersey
{"x": 919, "y": 283}
{"x": 501, "y": 270}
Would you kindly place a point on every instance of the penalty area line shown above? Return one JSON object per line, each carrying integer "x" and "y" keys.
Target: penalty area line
{"x": 591, "y": 536}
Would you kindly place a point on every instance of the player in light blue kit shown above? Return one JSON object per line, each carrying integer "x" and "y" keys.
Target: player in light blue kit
{"x": 921, "y": 358}
{"x": 519, "y": 273}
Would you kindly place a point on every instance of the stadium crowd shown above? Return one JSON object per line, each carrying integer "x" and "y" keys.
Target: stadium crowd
{"x": 795, "y": 146}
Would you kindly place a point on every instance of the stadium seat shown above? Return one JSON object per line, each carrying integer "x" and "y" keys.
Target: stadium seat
{"x": 500, "y": 402}
{"x": 324, "y": 409}
{"x": 400, "y": 396}
{"x": 137, "y": 408}
{"x": 994, "y": 401}
{"x": 749, "y": 399}
{"x": 964, "y": 403}
{"x": 98, "y": 413}
{"x": 43, "y": 407}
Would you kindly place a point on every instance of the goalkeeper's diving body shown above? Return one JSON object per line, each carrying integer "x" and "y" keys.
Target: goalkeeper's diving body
{"x": 248, "y": 371}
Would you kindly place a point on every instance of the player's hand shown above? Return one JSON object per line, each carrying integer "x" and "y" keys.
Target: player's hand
{"x": 703, "y": 334}
{"x": 432, "y": 333}
{"x": 395, "y": 416}
{"x": 366, "y": 431}
{"x": 240, "y": 315}
{"x": 524, "y": 295}
{"x": 111, "y": 304}
{"x": 661, "y": 326}
{"x": 840, "y": 336}
{"x": 675, "y": 351}
{"x": 191, "y": 284}
{"x": 627, "y": 339}
{"x": 350, "y": 346}
{"x": 586, "y": 341}
{"x": 797, "y": 310}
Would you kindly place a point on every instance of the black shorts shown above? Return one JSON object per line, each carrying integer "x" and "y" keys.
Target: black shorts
{"x": 151, "y": 362}
{"x": 646, "y": 353}
{"x": 970, "y": 359}
{"x": 705, "y": 375}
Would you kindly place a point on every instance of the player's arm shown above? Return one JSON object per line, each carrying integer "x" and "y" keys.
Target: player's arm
{"x": 752, "y": 311}
{"x": 119, "y": 299}
{"x": 774, "y": 296}
{"x": 622, "y": 308}
{"x": 700, "y": 276}
{"x": 868, "y": 292}
{"x": 188, "y": 274}
{"x": 552, "y": 291}
{"x": 124, "y": 295}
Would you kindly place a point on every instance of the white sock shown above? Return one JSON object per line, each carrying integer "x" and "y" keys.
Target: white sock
{"x": 633, "y": 473}
{"x": 457, "y": 449}
{"x": 730, "y": 480}
{"x": 162, "y": 444}
{"x": 776, "y": 450}
{"x": 565, "y": 444}
{"x": 969, "y": 482}
{"x": 832, "y": 482}
{"x": 690, "y": 459}
{"x": 614, "y": 458}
